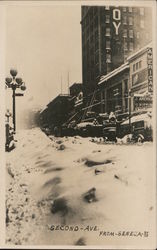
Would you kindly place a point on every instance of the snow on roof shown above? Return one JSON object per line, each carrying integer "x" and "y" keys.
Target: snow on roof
{"x": 84, "y": 124}
{"x": 137, "y": 118}
{"x": 114, "y": 72}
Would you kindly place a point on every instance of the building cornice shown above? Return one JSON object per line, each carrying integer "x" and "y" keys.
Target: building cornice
{"x": 114, "y": 73}
{"x": 139, "y": 52}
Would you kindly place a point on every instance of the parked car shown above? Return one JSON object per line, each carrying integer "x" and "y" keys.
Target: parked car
{"x": 110, "y": 131}
{"x": 141, "y": 128}
{"x": 110, "y": 128}
{"x": 92, "y": 129}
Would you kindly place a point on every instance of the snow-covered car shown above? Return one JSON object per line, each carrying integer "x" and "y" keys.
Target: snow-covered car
{"x": 141, "y": 127}
{"x": 89, "y": 129}
{"x": 110, "y": 127}
{"x": 109, "y": 131}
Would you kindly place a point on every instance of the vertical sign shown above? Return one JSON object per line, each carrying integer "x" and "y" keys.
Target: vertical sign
{"x": 150, "y": 69}
{"x": 117, "y": 19}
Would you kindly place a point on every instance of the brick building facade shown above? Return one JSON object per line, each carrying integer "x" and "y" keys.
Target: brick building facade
{"x": 109, "y": 35}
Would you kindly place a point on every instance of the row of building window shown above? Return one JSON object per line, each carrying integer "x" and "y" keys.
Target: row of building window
{"x": 130, "y": 19}
{"x": 130, "y": 9}
{"x": 128, "y": 45}
{"x": 90, "y": 17}
{"x": 107, "y": 20}
{"x": 108, "y": 30}
{"x": 131, "y": 46}
{"x": 137, "y": 66}
{"x": 108, "y": 45}
{"x": 126, "y": 20}
{"x": 125, "y": 33}
{"x": 90, "y": 29}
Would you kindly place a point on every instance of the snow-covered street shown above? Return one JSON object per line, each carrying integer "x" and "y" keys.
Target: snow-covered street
{"x": 73, "y": 191}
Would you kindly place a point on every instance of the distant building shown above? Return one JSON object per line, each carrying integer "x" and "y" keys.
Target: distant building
{"x": 56, "y": 112}
{"x": 75, "y": 89}
{"x": 76, "y": 93}
{"x": 62, "y": 108}
{"x": 109, "y": 35}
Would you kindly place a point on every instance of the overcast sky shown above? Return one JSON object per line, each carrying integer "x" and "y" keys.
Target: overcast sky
{"x": 43, "y": 43}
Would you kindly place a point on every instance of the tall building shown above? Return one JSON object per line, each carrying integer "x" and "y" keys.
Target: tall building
{"x": 109, "y": 35}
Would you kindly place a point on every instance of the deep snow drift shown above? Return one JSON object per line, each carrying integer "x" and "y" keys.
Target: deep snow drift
{"x": 84, "y": 190}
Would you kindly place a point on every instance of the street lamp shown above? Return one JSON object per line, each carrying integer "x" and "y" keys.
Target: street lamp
{"x": 14, "y": 83}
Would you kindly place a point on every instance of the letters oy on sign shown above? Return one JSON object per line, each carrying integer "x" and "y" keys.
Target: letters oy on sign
{"x": 117, "y": 18}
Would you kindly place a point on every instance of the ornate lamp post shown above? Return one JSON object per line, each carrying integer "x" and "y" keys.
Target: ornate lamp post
{"x": 14, "y": 83}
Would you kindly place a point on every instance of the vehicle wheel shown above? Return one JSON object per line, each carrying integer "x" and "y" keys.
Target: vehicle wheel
{"x": 140, "y": 138}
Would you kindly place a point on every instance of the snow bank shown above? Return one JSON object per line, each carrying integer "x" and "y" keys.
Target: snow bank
{"x": 87, "y": 184}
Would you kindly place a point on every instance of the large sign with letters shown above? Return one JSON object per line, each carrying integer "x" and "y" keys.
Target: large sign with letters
{"x": 150, "y": 69}
{"x": 116, "y": 20}
{"x": 143, "y": 101}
